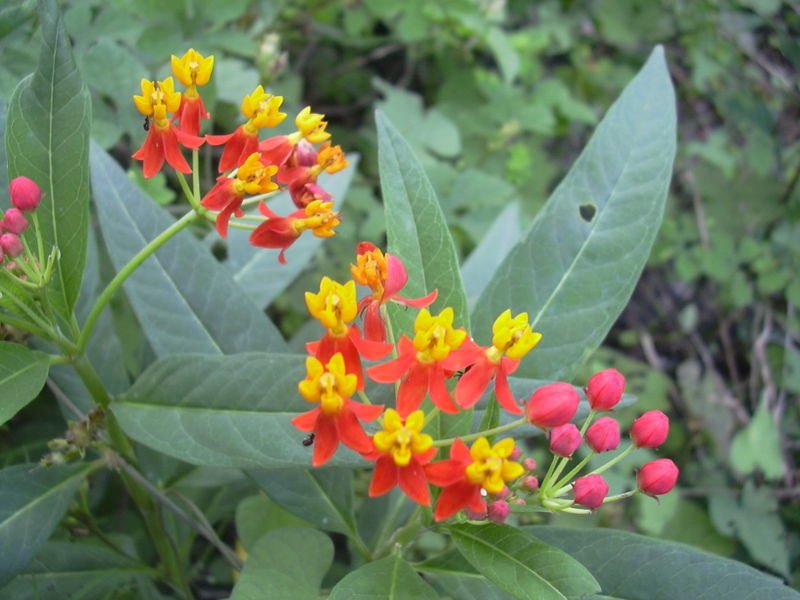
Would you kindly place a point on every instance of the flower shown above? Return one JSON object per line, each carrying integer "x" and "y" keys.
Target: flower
{"x": 192, "y": 70}
{"x": 302, "y": 168}
{"x": 402, "y": 450}
{"x": 335, "y": 308}
{"x": 650, "y": 430}
{"x": 157, "y": 100}
{"x": 14, "y": 221}
{"x": 590, "y": 491}
{"x": 385, "y": 275}
{"x": 657, "y": 477}
{"x": 512, "y": 339}
{"x": 552, "y": 405}
{"x": 261, "y": 110}
{"x": 605, "y": 389}
{"x": 253, "y": 177}
{"x": 282, "y": 232}
{"x": 336, "y": 418}
{"x": 25, "y": 194}
{"x": 603, "y": 435}
{"x": 424, "y": 363}
{"x": 564, "y": 440}
{"x": 311, "y": 126}
{"x": 467, "y": 472}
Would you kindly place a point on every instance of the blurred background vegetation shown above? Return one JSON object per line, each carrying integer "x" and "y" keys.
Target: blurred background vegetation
{"x": 497, "y": 98}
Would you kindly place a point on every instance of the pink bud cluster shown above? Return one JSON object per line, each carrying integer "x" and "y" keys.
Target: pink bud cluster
{"x": 25, "y": 196}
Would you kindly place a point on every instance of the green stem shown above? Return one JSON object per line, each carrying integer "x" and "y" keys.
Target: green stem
{"x": 563, "y": 461}
{"x": 621, "y": 496}
{"x": 127, "y": 271}
{"x": 614, "y": 460}
{"x": 196, "y": 174}
{"x": 39, "y": 241}
{"x": 193, "y": 201}
{"x": 364, "y": 398}
{"x": 568, "y": 477}
{"x": 484, "y": 433}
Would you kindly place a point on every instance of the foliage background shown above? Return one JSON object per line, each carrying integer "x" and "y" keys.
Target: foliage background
{"x": 497, "y": 98}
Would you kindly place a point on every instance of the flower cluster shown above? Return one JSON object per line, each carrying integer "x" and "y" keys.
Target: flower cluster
{"x": 248, "y": 166}
{"x": 25, "y": 196}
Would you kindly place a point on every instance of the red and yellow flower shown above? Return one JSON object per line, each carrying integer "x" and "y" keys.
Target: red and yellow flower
{"x": 425, "y": 363}
{"x": 385, "y": 275}
{"x": 402, "y": 450}
{"x": 192, "y": 70}
{"x": 158, "y": 99}
{"x": 302, "y": 178}
{"x": 252, "y": 178}
{"x": 512, "y": 339}
{"x": 281, "y": 232}
{"x": 287, "y": 149}
{"x": 337, "y": 416}
{"x": 261, "y": 110}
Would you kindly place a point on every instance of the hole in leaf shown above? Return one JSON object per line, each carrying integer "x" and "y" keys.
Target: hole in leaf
{"x": 587, "y": 212}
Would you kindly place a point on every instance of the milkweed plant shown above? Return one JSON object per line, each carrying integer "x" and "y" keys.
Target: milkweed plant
{"x": 427, "y": 429}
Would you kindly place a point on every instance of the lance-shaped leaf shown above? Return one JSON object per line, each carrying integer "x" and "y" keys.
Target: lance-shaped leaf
{"x": 634, "y": 567}
{"x": 416, "y": 228}
{"x": 577, "y": 266}
{"x": 459, "y": 579}
{"x": 185, "y": 300}
{"x": 22, "y": 376}
{"x": 222, "y": 411}
{"x": 520, "y": 565}
{"x": 47, "y": 140}
{"x": 390, "y": 578}
{"x": 32, "y": 501}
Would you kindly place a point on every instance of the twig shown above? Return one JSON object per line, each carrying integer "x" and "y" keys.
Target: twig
{"x": 730, "y": 357}
{"x": 63, "y": 399}
{"x": 697, "y": 204}
{"x": 760, "y": 352}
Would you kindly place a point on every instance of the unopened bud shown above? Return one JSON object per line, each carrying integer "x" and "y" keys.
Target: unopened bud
{"x": 564, "y": 440}
{"x": 305, "y": 154}
{"x": 657, "y": 477}
{"x": 650, "y": 430}
{"x": 530, "y": 483}
{"x": 14, "y": 221}
{"x": 605, "y": 389}
{"x": 552, "y": 405}
{"x": 475, "y": 515}
{"x": 529, "y": 464}
{"x": 590, "y": 491}
{"x": 499, "y": 511}
{"x": 504, "y": 493}
{"x": 25, "y": 193}
{"x": 515, "y": 454}
{"x": 603, "y": 435}
{"x": 10, "y": 244}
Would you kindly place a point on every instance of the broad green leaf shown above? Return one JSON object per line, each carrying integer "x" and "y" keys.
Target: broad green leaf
{"x": 22, "y": 376}
{"x": 47, "y": 140}
{"x": 222, "y": 411}
{"x": 757, "y": 446}
{"x": 380, "y": 517}
{"x": 635, "y": 567}
{"x": 416, "y": 229}
{"x": 577, "y": 266}
{"x": 76, "y": 570}
{"x": 258, "y": 515}
{"x": 257, "y": 271}
{"x": 390, "y": 578}
{"x": 184, "y": 299}
{"x": 285, "y": 564}
{"x": 521, "y": 565}
{"x": 323, "y": 497}
{"x": 32, "y": 501}
{"x": 458, "y": 579}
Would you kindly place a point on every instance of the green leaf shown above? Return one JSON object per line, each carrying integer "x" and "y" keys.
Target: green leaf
{"x": 286, "y": 564}
{"x": 258, "y": 515}
{"x": 757, "y": 446}
{"x": 184, "y": 299}
{"x": 458, "y": 579}
{"x": 256, "y": 271}
{"x": 222, "y": 411}
{"x": 32, "y": 501}
{"x": 505, "y": 54}
{"x": 521, "y": 565}
{"x": 323, "y": 497}
{"x": 634, "y": 567}
{"x": 390, "y": 578}
{"x": 75, "y": 570}
{"x": 578, "y": 264}
{"x": 416, "y": 229}
{"x": 22, "y": 376}
{"x": 47, "y": 140}
{"x": 380, "y": 517}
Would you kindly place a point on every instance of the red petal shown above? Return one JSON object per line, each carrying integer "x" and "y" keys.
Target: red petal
{"x": 366, "y": 412}
{"x": 503, "y": 393}
{"x": 396, "y": 276}
{"x": 427, "y": 456}
{"x": 312, "y": 348}
{"x": 466, "y": 355}
{"x": 445, "y": 472}
{"x": 374, "y": 328}
{"x": 413, "y": 388}
{"x": 306, "y": 421}
{"x": 440, "y": 395}
{"x": 510, "y": 365}
{"x": 275, "y": 233}
{"x": 476, "y": 503}
{"x": 384, "y": 477}
{"x": 350, "y": 432}
{"x": 473, "y": 383}
{"x": 275, "y": 150}
{"x": 172, "y": 151}
{"x": 325, "y": 440}
{"x": 454, "y": 498}
{"x": 423, "y": 302}
{"x": 391, "y": 371}
{"x": 287, "y": 175}
{"x": 218, "y": 140}
{"x": 460, "y": 452}
{"x": 192, "y": 142}
{"x": 151, "y": 153}
{"x": 413, "y": 483}
{"x": 367, "y": 348}
{"x": 352, "y": 360}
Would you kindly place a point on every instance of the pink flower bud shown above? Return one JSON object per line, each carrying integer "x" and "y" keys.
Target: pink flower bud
{"x": 10, "y": 244}
{"x": 605, "y": 389}
{"x": 499, "y": 511}
{"x": 474, "y": 515}
{"x": 564, "y": 440}
{"x": 305, "y": 154}
{"x": 530, "y": 483}
{"x": 25, "y": 194}
{"x": 515, "y": 454}
{"x": 603, "y": 435}
{"x": 529, "y": 464}
{"x": 520, "y": 502}
{"x": 657, "y": 477}
{"x": 650, "y": 430}
{"x": 590, "y": 491}
{"x": 552, "y": 405}
{"x": 504, "y": 493}
{"x": 14, "y": 221}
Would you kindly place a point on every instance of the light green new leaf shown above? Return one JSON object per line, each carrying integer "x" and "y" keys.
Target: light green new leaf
{"x": 184, "y": 299}
{"x": 416, "y": 229}
{"x": 47, "y": 140}
{"x": 285, "y": 564}
{"x": 390, "y": 578}
{"x": 635, "y": 567}
{"x": 577, "y": 266}
{"x": 22, "y": 376}
{"x": 521, "y": 565}
{"x": 222, "y": 411}
{"x": 757, "y": 446}
{"x": 258, "y": 515}
{"x": 32, "y": 501}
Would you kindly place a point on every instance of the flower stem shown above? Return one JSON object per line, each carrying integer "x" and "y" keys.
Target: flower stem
{"x": 568, "y": 477}
{"x": 621, "y": 496}
{"x": 484, "y": 433}
{"x": 614, "y": 460}
{"x": 364, "y": 398}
